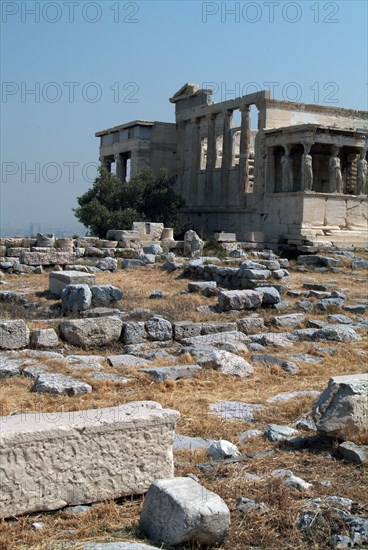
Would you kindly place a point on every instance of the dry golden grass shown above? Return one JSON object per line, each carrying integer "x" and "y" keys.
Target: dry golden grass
{"x": 118, "y": 520}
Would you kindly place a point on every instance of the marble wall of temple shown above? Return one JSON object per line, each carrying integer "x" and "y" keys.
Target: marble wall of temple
{"x": 130, "y": 147}
{"x": 238, "y": 179}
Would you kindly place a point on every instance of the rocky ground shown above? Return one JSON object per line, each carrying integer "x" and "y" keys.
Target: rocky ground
{"x": 243, "y": 370}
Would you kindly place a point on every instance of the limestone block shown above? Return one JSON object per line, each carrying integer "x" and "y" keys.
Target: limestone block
{"x": 95, "y": 332}
{"x": 148, "y": 231}
{"x": 84, "y": 242}
{"x": 213, "y": 328}
{"x": 232, "y": 341}
{"x": 180, "y": 510}
{"x": 43, "y": 239}
{"x": 221, "y": 449}
{"x": 58, "y": 280}
{"x": 250, "y": 325}
{"x": 337, "y": 333}
{"x": 272, "y": 360}
{"x": 52, "y": 257}
{"x": 172, "y": 373}
{"x": 147, "y": 259}
{"x": 336, "y": 212}
{"x": 107, "y": 264}
{"x": 83, "y": 456}
{"x": 154, "y": 248}
{"x": 289, "y": 320}
{"x": 186, "y": 329}
{"x": 159, "y": 329}
{"x": 357, "y": 214}
{"x": 13, "y": 334}
{"x": 255, "y": 274}
{"x": 342, "y": 408}
{"x": 132, "y": 264}
{"x": 225, "y": 237}
{"x": 193, "y": 245}
{"x": 270, "y": 295}
{"x": 93, "y": 252}
{"x": 275, "y": 432}
{"x": 104, "y": 295}
{"x": 313, "y": 211}
{"x": 64, "y": 243}
{"x": 239, "y": 299}
{"x": 10, "y": 367}
{"x": 59, "y": 384}
{"x": 44, "y": 338}
{"x": 121, "y": 234}
{"x": 20, "y": 268}
{"x": 76, "y": 298}
{"x": 227, "y": 363}
{"x": 254, "y": 237}
{"x": 15, "y": 252}
{"x": 208, "y": 288}
{"x": 134, "y": 333}
{"x": 127, "y": 360}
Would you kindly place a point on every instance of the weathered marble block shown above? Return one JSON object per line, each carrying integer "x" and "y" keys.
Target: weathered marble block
{"x": 58, "y": 280}
{"x": 51, "y": 460}
{"x": 52, "y": 257}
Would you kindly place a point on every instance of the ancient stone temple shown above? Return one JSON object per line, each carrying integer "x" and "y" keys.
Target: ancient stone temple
{"x": 301, "y": 176}
{"x": 136, "y": 145}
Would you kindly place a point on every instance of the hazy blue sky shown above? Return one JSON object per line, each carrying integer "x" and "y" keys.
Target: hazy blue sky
{"x": 71, "y": 68}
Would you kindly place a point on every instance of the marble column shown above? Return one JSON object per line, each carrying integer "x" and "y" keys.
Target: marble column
{"x": 120, "y": 168}
{"x": 244, "y": 150}
{"x": 335, "y": 176}
{"x": 226, "y": 158}
{"x": 287, "y": 171}
{"x": 195, "y": 160}
{"x": 307, "y": 169}
{"x": 105, "y": 163}
{"x": 362, "y": 178}
{"x": 211, "y": 157}
{"x": 180, "y": 155}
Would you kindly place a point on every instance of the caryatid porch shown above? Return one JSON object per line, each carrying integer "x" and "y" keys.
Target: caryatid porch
{"x": 316, "y": 182}
{"x": 311, "y": 158}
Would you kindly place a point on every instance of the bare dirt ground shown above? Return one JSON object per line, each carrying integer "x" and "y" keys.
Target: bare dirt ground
{"x": 118, "y": 520}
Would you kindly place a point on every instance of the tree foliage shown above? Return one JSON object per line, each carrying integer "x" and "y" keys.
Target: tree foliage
{"x": 111, "y": 204}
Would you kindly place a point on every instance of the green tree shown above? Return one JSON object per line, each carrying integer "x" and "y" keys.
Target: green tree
{"x": 111, "y": 204}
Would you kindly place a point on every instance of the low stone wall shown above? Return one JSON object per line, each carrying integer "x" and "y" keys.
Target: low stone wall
{"x": 249, "y": 275}
{"x": 51, "y": 460}
{"x": 28, "y": 255}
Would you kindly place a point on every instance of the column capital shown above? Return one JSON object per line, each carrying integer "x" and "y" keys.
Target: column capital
{"x": 227, "y": 112}
{"x": 307, "y": 144}
{"x": 335, "y": 149}
{"x": 196, "y": 120}
{"x": 244, "y": 107}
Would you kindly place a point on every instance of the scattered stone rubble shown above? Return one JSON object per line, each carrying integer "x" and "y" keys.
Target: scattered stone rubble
{"x": 256, "y": 286}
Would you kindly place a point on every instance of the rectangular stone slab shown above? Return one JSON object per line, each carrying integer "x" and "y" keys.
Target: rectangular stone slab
{"x": 58, "y": 280}
{"x": 51, "y": 257}
{"x": 51, "y": 460}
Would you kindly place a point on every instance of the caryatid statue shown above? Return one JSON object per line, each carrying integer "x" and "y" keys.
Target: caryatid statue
{"x": 362, "y": 174}
{"x": 335, "y": 176}
{"x": 307, "y": 168}
{"x": 287, "y": 170}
